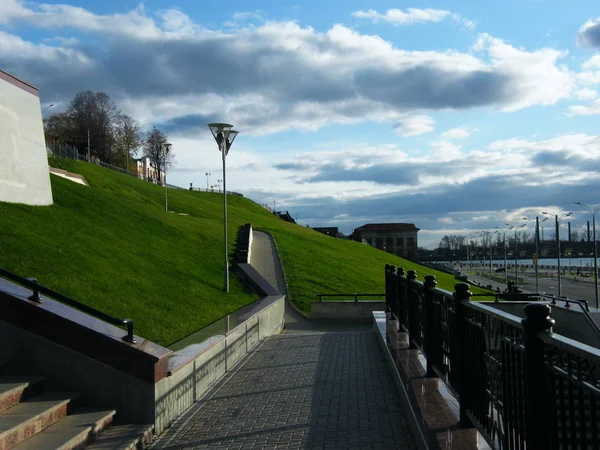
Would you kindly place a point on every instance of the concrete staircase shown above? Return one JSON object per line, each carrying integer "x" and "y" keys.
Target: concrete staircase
{"x": 32, "y": 419}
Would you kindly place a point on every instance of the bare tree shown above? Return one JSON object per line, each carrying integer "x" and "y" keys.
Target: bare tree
{"x": 153, "y": 149}
{"x": 128, "y": 138}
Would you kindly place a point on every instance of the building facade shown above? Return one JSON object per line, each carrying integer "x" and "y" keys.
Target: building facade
{"x": 399, "y": 239}
{"x": 147, "y": 171}
{"x": 329, "y": 231}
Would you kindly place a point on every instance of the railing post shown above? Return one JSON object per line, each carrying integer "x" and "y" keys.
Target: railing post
{"x": 536, "y": 322}
{"x": 411, "y": 296}
{"x": 462, "y": 295}
{"x": 35, "y": 296}
{"x": 430, "y": 342}
{"x": 130, "y": 336}
{"x": 400, "y": 303}
{"x": 388, "y": 288}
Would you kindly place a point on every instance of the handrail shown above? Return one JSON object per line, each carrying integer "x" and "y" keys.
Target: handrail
{"x": 583, "y": 304}
{"x": 354, "y": 294}
{"x": 584, "y": 309}
{"x": 33, "y": 284}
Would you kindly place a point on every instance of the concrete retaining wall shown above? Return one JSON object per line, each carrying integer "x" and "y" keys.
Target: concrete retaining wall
{"x": 24, "y": 176}
{"x": 190, "y": 380}
{"x": 345, "y": 312}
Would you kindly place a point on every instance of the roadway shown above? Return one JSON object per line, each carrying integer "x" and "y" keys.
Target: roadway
{"x": 571, "y": 287}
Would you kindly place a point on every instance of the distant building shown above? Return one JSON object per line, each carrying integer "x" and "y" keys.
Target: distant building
{"x": 397, "y": 238}
{"x": 329, "y": 231}
{"x": 284, "y": 216}
{"x": 147, "y": 171}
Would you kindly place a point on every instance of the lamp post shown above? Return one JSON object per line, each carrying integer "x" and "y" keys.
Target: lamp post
{"x": 224, "y": 136}
{"x": 594, "y": 210}
{"x": 537, "y": 249}
{"x": 510, "y": 227}
{"x": 557, "y": 220}
{"x": 517, "y": 254}
{"x": 208, "y": 174}
{"x": 166, "y": 150}
{"x": 46, "y": 107}
{"x": 219, "y": 184}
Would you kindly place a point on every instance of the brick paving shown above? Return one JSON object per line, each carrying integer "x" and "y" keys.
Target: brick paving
{"x": 314, "y": 386}
{"x": 300, "y": 391}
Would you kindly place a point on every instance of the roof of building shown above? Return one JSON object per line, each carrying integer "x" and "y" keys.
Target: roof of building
{"x": 388, "y": 227}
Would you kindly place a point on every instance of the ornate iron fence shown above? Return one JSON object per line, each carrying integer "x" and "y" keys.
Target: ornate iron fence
{"x": 519, "y": 384}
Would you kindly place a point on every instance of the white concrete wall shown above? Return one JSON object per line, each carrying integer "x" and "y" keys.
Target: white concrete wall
{"x": 24, "y": 175}
{"x": 190, "y": 381}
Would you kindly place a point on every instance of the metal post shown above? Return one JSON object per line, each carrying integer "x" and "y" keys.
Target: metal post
{"x": 536, "y": 322}
{"x": 461, "y": 295}
{"x": 558, "y": 248}
{"x": 491, "y": 256}
{"x": 516, "y": 258}
{"x": 505, "y": 262}
{"x": 223, "y": 152}
{"x": 430, "y": 342}
{"x": 165, "y": 180}
{"x": 595, "y": 262}
{"x": 537, "y": 253}
{"x": 412, "y": 298}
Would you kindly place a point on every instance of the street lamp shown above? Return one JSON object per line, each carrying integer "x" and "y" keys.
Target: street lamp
{"x": 557, "y": 220}
{"x": 208, "y": 174}
{"x": 46, "y": 107}
{"x": 166, "y": 150}
{"x": 224, "y": 136}
{"x": 594, "y": 211}
{"x": 517, "y": 254}
{"x": 537, "y": 249}
{"x": 510, "y": 227}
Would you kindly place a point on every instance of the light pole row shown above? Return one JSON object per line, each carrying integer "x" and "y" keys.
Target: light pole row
{"x": 594, "y": 210}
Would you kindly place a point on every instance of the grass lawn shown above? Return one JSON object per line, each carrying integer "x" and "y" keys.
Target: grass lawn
{"x": 111, "y": 245}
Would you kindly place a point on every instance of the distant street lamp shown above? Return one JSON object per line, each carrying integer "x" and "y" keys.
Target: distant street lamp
{"x": 594, "y": 210}
{"x": 166, "y": 150}
{"x": 510, "y": 227}
{"x": 46, "y": 107}
{"x": 224, "y": 136}
{"x": 517, "y": 254}
{"x": 537, "y": 249}
{"x": 208, "y": 174}
{"x": 219, "y": 184}
{"x": 557, "y": 220}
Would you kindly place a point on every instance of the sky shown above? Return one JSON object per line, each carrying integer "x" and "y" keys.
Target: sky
{"x": 455, "y": 116}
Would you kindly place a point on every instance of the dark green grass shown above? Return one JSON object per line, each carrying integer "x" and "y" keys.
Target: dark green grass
{"x": 111, "y": 245}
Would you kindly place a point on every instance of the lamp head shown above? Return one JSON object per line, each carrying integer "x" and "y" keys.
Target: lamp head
{"x": 220, "y": 132}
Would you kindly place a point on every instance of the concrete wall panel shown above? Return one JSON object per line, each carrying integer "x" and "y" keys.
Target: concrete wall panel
{"x": 24, "y": 175}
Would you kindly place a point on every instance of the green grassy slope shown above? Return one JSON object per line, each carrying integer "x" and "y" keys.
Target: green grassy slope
{"x": 112, "y": 246}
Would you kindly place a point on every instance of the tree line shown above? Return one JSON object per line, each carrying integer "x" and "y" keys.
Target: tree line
{"x": 93, "y": 123}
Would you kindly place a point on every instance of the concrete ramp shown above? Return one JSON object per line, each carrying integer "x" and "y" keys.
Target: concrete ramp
{"x": 24, "y": 176}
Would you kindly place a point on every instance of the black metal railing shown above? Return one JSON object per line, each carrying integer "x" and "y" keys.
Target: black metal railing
{"x": 37, "y": 289}
{"x": 519, "y": 384}
{"x": 356, "y": 297}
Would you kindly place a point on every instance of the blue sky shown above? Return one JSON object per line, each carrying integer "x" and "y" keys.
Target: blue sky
{"x": 456, "y": 116}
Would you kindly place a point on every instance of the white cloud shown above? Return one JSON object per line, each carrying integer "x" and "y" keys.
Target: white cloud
{"x": 539, "y": 78}
{"x": 413, "y": 16}
{"x": 589, "y": 33}
{"x": 586, "y": 94}
{"x": 592, "y": 63}
{"x": 456, "y": 133}
{"x": 399, "y": 17}
{"x": 415, "y": 125}
{"x": 585, "y": 110}
{"x": 273, "y": 76}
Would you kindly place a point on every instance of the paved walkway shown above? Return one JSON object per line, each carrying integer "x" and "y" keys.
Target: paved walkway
{"x": 311, "y": 387}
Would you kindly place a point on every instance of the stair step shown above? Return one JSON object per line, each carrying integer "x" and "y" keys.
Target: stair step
{"x": 14, "y": 389}
{"x": 124, "y": 437}
{"x": 32, "y": 416}
{"x": 73, "y": 432}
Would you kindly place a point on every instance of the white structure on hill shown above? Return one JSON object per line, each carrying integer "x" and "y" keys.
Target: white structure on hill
{"x": 24, "y": 174}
